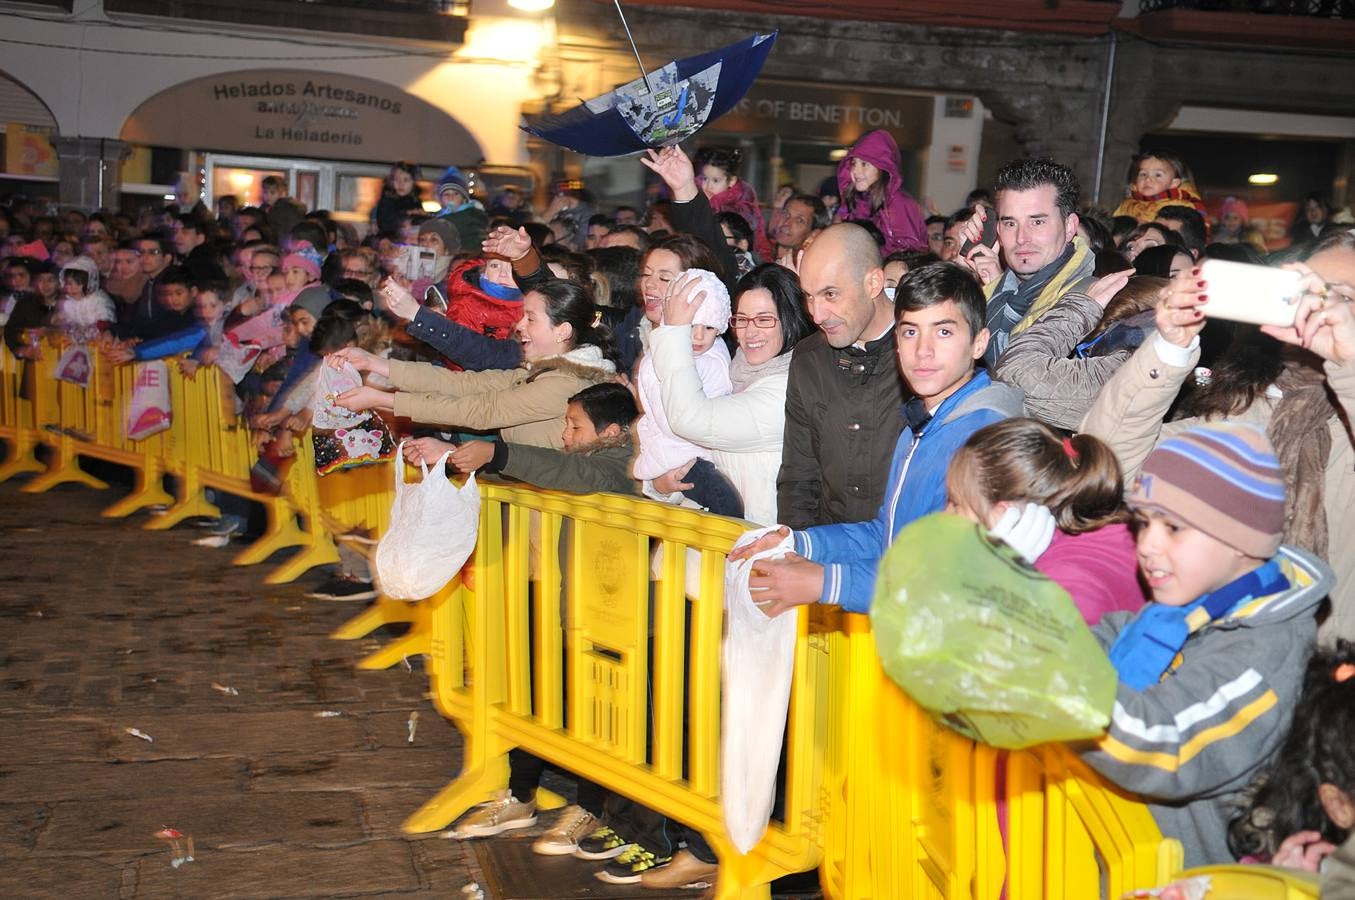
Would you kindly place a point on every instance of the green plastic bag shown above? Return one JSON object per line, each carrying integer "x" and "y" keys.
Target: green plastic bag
{"x": 996, "y": 650}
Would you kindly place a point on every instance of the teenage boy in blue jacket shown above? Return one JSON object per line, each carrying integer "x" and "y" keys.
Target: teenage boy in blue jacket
{"x": 940, "y": 337}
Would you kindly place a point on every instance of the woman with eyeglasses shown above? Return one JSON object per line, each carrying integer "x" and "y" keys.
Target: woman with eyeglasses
{"x": 743, "y": 429}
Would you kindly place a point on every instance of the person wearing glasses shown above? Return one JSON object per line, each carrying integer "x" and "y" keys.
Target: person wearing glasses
{"x": 156, "y": 251}
{"x": 742, "y": 429}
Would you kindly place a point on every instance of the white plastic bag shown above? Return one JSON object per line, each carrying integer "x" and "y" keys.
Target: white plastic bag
{"x": 330, "y": 383}
{"x": 148, "y": 410}
{"x": 432, "y": 532}
{"x": 759, "y": 660}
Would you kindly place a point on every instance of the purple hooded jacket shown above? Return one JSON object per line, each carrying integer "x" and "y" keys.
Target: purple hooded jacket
{"x": 900, "y": 219}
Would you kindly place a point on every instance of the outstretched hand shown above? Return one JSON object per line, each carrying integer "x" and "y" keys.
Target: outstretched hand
{"x": 397, "y": 299}
{"x": 504, "y": 241}
{"x": 1325, "y": 323}
{"x": 676, "y": 170}
{"x": 365, "y": 398}
{"x": 359, "y": 359}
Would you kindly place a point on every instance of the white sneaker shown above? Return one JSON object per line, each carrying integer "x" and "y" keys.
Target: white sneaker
{"x": 504, "y": 813}
{"x": 574, "y": 824}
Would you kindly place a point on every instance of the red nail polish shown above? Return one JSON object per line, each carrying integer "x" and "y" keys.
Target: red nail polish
{"x": 1204, "y": 297}
{"x": 1200, "y": 284}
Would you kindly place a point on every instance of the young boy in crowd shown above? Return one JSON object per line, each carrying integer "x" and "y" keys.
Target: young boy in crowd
{"x": 597, "y": 454}
{"x": 1210, "y": 671}
{"x": 940, "y": 337}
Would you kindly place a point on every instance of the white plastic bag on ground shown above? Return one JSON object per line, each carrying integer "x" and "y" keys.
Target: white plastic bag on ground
{"x": 759, "y": 659}
{"x": 432, "y": 532}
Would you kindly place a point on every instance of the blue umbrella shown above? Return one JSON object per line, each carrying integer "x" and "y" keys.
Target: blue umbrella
{"x": 662, "y": 108}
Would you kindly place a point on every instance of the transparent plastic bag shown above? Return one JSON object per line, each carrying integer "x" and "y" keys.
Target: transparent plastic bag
{"x": 996, "y": 650}
{"x": 433, "y": 530}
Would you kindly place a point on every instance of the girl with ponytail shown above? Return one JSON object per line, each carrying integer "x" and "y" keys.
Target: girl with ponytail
{"x": 1059, "y": 502}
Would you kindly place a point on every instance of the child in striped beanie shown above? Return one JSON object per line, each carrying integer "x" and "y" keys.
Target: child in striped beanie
{"x": 1209, "y": 671}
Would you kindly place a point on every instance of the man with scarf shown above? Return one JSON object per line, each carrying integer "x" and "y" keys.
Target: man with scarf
{"x": 1045, "y": 257}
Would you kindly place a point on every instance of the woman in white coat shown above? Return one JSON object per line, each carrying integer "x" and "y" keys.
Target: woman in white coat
{"x": 743, "y": 429}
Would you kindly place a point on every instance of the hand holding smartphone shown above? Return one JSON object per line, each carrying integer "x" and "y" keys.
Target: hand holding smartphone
{"x": 988, "y": 233}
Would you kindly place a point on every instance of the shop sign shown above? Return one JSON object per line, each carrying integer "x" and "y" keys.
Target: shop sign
{"x": 281, "y": 112}
{"x": 29, "y": 151}
{"x": 833, "y": 114}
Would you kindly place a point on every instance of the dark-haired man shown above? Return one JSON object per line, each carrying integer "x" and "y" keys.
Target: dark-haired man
{"x": 803, "y": 216}
{"x": 1187, "y": 222}
{"x": 1045, "y": 258}
{"x": 939, "y": 336}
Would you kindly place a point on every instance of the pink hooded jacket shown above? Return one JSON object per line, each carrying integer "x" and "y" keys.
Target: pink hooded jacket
{"x": 900, "y": 219}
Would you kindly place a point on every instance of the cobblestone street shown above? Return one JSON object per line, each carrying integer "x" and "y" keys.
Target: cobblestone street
{"x": 107, "y": 628}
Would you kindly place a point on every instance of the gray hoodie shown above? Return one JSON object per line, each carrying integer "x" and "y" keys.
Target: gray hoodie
{"x": 1190, "y": 743}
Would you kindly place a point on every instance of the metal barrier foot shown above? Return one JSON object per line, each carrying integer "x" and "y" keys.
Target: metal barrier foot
{"x": 319, "y": 551}
{"x": 283, "y": 532}
{"x": 471, "y": 787}
{"x": 65, "y": 469}
{"x": 19, "y": 459}
{"x": 743, "y": 877}
{"x": 382, "y": 612}
{"x": 415, "y": 643}
{"x": 192, "y": 507}
{"x": 149, "y": 491}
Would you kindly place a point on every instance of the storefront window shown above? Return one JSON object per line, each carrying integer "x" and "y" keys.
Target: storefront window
{"x": 245, "y": 184}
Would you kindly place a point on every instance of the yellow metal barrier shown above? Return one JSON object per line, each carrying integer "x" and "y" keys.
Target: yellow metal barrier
{"x": 557, "y": 640}
{"x": 18, "y": 427}
{"x": 587, "y": 666}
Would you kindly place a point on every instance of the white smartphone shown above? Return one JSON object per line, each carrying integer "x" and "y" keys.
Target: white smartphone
{"x": 1242, "y": 292}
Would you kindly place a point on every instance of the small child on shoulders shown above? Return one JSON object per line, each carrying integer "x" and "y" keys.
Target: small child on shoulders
{"x": 1158, "y": 179}
{"x": 1209, "y": 673}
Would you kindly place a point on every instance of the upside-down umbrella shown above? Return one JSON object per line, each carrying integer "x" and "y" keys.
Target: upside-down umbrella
{"x": 664, "y": 107}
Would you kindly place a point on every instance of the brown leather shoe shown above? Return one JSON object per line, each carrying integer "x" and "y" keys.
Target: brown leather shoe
{"x": 685, "y": 871}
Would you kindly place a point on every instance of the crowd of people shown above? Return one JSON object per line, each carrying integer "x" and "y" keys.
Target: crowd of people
{"x": 834, "y": 365}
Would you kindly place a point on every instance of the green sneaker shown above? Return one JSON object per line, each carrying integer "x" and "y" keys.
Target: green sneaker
{"x": 603, "y": 843}
{"x": 629, "y": 866}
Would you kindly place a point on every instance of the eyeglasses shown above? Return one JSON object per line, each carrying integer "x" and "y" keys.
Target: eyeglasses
{"x": 356, "y": 273}
{"x": 261, "y": 270}
{"x": 151, "y": 251}
{"x": 766, "y": 320}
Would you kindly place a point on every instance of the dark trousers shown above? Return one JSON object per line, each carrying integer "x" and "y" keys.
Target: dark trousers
{"x": 713, "y": 490}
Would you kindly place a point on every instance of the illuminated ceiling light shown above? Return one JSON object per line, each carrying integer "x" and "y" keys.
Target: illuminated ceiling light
{"x": 531, "y": 5}
{"x": 839, "y": 153}
{"x": 1263, "y": 178}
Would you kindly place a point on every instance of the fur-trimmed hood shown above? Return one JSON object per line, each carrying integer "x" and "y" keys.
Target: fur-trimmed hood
{"x": 585, "y": 363}
{"x": 623, "y": 441}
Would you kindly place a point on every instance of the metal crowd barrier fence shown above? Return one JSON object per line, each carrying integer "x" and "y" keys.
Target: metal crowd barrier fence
{"x": 557, "y": 638}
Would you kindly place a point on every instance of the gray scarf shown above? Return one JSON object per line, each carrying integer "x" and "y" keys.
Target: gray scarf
{"x": 743, "y": 374}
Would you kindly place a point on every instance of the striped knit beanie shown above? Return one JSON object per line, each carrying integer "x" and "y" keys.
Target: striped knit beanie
{"x": 1221, "y": 479}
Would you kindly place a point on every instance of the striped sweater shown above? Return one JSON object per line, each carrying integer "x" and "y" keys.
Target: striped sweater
{"x": 1190, "y": 743}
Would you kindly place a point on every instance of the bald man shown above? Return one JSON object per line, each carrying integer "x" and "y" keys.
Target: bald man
{"x": 844, "y": 392}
